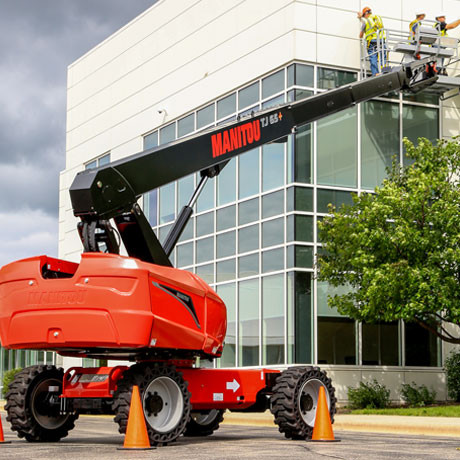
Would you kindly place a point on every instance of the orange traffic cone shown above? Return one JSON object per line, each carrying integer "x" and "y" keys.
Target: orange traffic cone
{"x": 2, "y": 438}
{"x": 323, "y": 426}
{"x": 136, "y": 436}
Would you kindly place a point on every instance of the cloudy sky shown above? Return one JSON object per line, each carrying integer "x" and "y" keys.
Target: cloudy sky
{"x": 38, "y": 40}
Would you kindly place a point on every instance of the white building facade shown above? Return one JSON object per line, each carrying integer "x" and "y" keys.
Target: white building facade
{"x": 183, "y": 66}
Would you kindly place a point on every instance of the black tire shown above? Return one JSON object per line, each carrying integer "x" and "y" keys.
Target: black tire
{"x": 204, "y": 423}
{"x": 31, "y": 412}
{"x": 150, "y": 376}
{"x": 294, "y": 400}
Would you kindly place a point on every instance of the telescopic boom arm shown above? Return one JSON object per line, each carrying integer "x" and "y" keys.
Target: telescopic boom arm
{"x": 112, "y": 191}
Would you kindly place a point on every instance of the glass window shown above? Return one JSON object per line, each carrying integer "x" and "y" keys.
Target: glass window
{"x": 185, "y": 255}
{"x": 227, "y": 292}
{"x": 206, "y": 273}
{"x": 91, "y": 165}
{"x": 249, "y": 111}
{"x": 151, "y": 140}
{"x": 300, "y": 74}
{"x": 104, "y": 160}
{"x": 205, "y": 116}
{"x": 226, "y": 106}
{"x": 205, "y": 224}
{"x": 334, "y": 197}
{"x": 186, "y": 125}
{"x": 226, "y": 270}
{"x": 151, "y": 205}
{"x": 272, "y": 166}
{"x": 204, "y": 250}
{"x": 248, "y": 238}
{"x": 300, "y": 157}
{"x": 298, "y": 94}
{"x": 273, "y": 204}
{"x": 168, "y": 133}
{"x": 226, "y": 184}
{"x": 300, "y": 228}
{"x": 336, "y": 341}
{"x": 167, "y": 203}
{"x": 248, "y": 174}
{"x": 273, "y": 101}
{"x": 248, "y": 96}
{"x": 163, "y": 232}
{"x": 273, "y": 319}
{"x": 420, "y": 122}
{"x": 248, "y": 306}
{"x": 226, "y": 244}
{"x": 187, "y": 234}
{"x": 300, "y": 256}
{"x": 337, "y": 161}
{"x": 379, "y": 140}
{"x": 332, "y": 78}
{"x": 248, "y": 265}
{"x": 421, "y": 346}
{"x": 226, "y": 218}
{"x": 325, "y": 290}
{"x": 248, "y": 211}
{"x": 185, "y": 188}
{"x": 423, "y": 97}
{"x": 273, "y": 260}
{"x": 380, "y": 344}
{"x": 273, "y": 232}
{"x": 300, "y": 317}
{"x": 206, "y": 199}
{"x": 273, "y": 84}
{"x": 300, "y": 199}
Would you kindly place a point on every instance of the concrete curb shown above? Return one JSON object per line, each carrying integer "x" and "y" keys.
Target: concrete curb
{"x": 395, "y": 424}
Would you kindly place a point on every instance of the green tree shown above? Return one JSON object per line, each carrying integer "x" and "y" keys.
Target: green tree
{"x": 399, "y": 247}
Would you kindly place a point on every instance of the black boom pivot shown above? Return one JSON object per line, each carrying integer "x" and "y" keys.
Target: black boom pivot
{"x": 112, "y": 191}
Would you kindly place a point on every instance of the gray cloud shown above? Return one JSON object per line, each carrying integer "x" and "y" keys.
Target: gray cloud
{"x": 38, "y": 40}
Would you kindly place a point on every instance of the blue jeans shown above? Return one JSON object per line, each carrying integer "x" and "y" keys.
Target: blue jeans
{"x": 373, "y": 58}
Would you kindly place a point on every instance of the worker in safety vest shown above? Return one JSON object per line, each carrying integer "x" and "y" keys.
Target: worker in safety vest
{"x": 442, "y": 27}
{"x": 374, "y": 34}
{"x": 415, "y": 24}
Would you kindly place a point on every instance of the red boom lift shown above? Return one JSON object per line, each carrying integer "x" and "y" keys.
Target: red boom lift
{"x": 139, "y": 308}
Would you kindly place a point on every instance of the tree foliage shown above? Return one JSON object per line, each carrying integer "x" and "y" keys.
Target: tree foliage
{"x": 399, "y": 248}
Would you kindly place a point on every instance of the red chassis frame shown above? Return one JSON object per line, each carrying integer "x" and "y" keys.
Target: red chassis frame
{"x": 209, "y": 388}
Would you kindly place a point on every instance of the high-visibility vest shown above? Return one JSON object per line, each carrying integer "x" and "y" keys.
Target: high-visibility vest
{"x": 437, "y": 26}
{"x": 411, "y": 26}
{"x": 374, "y": 26}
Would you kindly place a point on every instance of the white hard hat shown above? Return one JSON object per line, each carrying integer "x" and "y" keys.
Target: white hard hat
{"x": 418, "y": 13}
{"x": 440, "y": 15}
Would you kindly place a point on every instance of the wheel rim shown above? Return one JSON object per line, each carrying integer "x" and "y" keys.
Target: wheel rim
{"x": 163, "y": 404}
{"x": 205, "y": 418}
{"x": 44, "y": 406}
{"x": 308, "y": 400}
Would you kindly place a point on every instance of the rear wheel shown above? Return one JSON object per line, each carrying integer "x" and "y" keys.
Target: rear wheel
{"x": 165, "y": 401}
{"x": 295, "y": 399}
{"x": 204, "y": 423}
{"x": 33, "y": 405}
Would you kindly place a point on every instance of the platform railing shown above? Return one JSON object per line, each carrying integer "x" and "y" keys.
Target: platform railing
{"x": 395, "y": 47}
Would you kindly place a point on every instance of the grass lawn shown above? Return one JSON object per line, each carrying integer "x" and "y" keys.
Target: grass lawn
{"x": 432, "y": 411}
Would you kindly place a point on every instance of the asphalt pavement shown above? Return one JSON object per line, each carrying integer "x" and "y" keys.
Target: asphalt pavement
{"x": 97, "y": 438}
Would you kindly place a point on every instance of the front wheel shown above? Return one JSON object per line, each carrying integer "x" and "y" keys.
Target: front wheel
{"x": 165, "y": 401}
{"x": 295, "y": 399}
{"x": 33, "y": 405}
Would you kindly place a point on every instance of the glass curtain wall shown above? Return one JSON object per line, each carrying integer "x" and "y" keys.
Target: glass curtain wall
{"x": 254, "y": 232}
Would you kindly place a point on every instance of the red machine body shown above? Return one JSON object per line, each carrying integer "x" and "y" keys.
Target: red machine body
{"x": 108, "y": 306}
{"x": 234, "y": 389}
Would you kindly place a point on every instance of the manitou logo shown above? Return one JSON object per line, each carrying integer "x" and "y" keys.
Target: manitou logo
{"x": 57, "y": 298}
{"x": 235, "y": 138}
